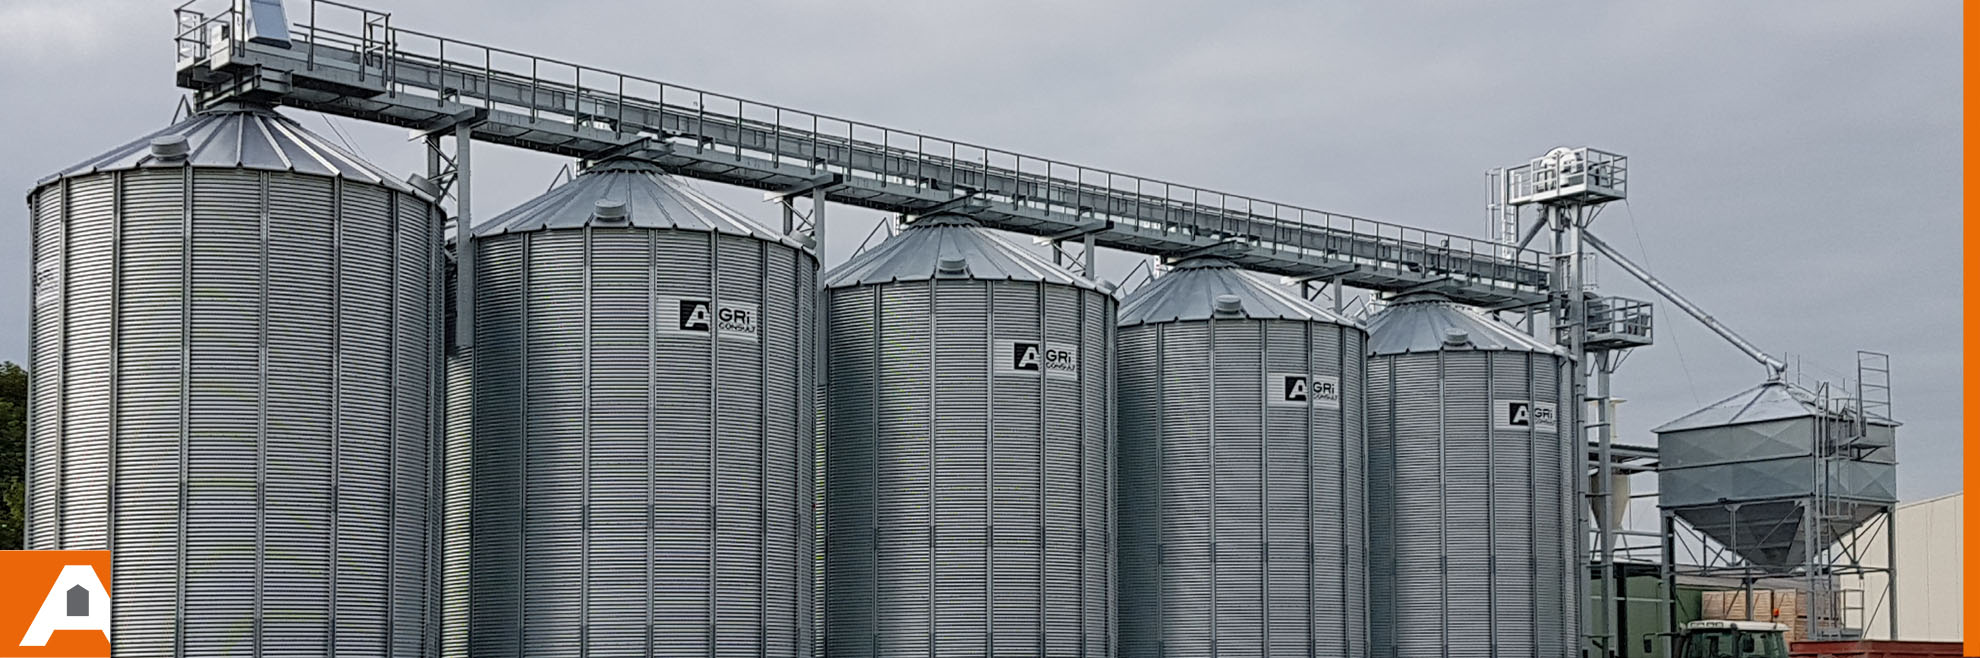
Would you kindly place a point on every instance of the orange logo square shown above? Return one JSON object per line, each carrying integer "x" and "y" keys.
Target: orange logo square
{"x": 55, "y": 603}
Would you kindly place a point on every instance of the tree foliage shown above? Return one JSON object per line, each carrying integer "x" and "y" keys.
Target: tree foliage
{"x": 13, "y": 453}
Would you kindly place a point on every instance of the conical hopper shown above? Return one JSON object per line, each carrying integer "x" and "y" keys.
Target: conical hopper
{"x": 1744, "y": 471}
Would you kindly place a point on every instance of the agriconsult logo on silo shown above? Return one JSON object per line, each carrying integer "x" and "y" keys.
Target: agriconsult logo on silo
{"x": 725, "y": 319}
{"x": 1029, "y": 357}
{"x": 1286, "y": 389}
{"x": 55, "y": 603}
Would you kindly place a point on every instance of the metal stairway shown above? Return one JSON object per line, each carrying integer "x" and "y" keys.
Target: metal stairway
{"x": 352, "y": 62}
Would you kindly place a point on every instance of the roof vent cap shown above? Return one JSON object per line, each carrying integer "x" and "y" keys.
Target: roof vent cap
{"x": 1229, "y": 304}
{"x": 1455, "y": 337}
{"x": 425, "y": 185}
{"x": 170, "y": 148}
{"x": 609, "y": 210}
{"x": 952, "y": 265}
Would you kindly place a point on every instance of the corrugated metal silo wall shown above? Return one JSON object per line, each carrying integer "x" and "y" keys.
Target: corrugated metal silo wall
{"x": 1472, "y": 519}
{"x": 1213, "y": 454}
{"x": 235, "y": 382}
{"x": 969, "y": 503}
{"x": 457, "y": 477}
{"x": 639, "y": 485}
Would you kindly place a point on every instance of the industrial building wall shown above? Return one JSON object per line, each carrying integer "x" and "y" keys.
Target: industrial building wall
{"x": 1929, "y": 552}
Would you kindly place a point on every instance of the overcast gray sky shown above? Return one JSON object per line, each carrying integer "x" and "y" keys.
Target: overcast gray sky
{"x": 1795, "y": 165}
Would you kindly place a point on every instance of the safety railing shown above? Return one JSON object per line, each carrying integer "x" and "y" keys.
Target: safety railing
{"x": 420, "y": 65}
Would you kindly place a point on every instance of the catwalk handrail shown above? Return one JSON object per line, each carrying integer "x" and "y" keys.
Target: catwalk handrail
{"x": 424, "y": 65}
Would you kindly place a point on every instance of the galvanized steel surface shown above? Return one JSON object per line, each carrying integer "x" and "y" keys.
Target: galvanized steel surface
{"x": 1242, "y": 509}
{"x": 236, "y": 390}
{"x": 1472, "y": 512}
{"x": 241, "y": 136}
{"x": 1745, "y": 469}
{"x": 1422, "y": 322}
{"x": 917, "y": 255}
{"x": 969, "y": 439}
{"x": 642, "y": 446}
{"x": 641, "y": 196}
{"x": 1191, "y": 291}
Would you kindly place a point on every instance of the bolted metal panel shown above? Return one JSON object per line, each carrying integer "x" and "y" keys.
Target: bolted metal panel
{"x": 969, "y": 497}
{"x": 1471, "y": 510}
{"x": 1241, "y": 510}
{"x": 641, "y": 453}
{"x": 233, "y": 373}
{"x": 1742, "y": 469}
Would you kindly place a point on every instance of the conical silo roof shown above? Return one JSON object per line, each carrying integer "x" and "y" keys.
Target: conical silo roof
{"x": 1773, "y": 400}
{"x": 1192, "y": 290}
{"x": 921, "y": 251}
{"x": 622, "y": 193}
{"x": 243, "y": 136}
{"x": 1422, "y": 322}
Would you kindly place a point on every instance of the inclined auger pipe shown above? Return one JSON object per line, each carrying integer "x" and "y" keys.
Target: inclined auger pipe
{"x": 1774, "y": 366}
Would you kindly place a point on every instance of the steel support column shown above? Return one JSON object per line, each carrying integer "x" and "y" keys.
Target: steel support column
{"x": 463, "y": 233}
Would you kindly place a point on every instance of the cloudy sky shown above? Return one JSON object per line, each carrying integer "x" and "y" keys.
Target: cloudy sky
{"x": 1795, "y": 165}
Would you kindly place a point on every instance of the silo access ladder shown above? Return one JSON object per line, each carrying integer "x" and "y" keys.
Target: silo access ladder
{"x": 353, "y": 62}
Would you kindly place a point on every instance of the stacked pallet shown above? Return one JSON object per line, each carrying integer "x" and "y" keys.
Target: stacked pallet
{"x": 1783, "y": 606}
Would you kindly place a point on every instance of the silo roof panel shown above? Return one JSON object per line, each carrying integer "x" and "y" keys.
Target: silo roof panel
{"x": 1773, "y": 400}
{"x": 652, "y": 198}
{"x": 917, "y": 252}
{"x": 242, "y": 136}
{"x": 1419, "y": 323}
{"x": 1190, "y": 292}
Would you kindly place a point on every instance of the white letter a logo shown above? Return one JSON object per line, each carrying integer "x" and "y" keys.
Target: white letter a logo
{"x": 76, "y": 602}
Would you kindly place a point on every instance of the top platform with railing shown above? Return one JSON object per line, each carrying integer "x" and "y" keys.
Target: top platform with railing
{"x": 1579, "y": 175}
{"x": 353, "y": 62}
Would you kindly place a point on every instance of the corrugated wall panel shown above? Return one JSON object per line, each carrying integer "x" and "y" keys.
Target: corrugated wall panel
{"x": 415, "y": 422}
{"x": 45, "y": 350}
{"x": 850, "y": 579}
{"x": 1016, "y": 414}
{"x": 618, "y": 442}
{"x": 87, "y": 302}
{"x": 962, "y": 491}
{"x": 364, "y": 418}
{"x": 738, "y": 456}
{"x": 224, "y": 414}
{"x": 150, "y": 391}
{"x": 297, "y": 460}
{"x": 1098, "y": 546}
{"x": 553, "y": 444}
{"x": 495, "y": 554}
{"x": 1141, "y": 401}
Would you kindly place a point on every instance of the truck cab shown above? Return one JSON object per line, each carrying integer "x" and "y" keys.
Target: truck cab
{"x": 1718, "y": 638}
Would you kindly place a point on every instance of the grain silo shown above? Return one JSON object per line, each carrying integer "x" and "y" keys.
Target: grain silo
{"x": 969, "y": 439}
{"x": 1472, "y": 462}
{"x": 235, "y": 357}
{"x": 1776, "y": 471}
{"x": 1241, "y": 478}
{"x": 641, "y": 425}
